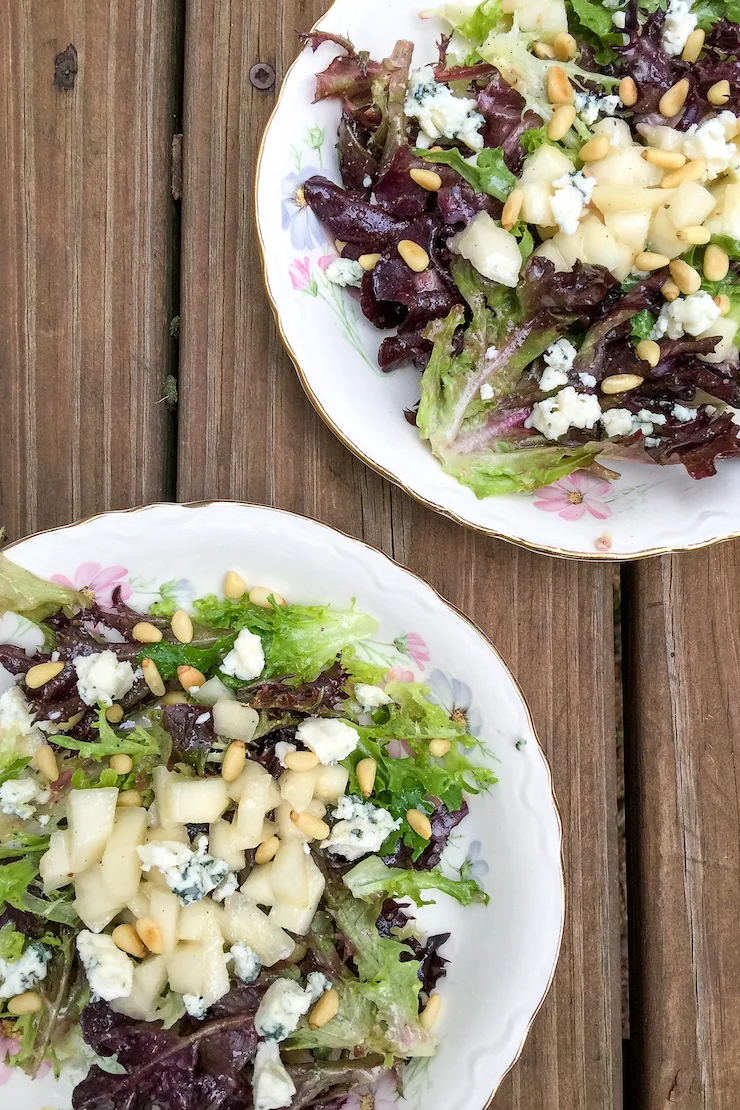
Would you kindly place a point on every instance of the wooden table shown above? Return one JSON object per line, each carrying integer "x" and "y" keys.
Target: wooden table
{"x": 117, "y": 297}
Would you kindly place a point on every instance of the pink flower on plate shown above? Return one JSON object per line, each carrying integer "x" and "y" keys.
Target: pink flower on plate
{"x": 573, "y": 496}
{"x": 326, "y": 260}
{"x": 102, "y": 581}
{"x": 383, "y": 1095}
{"x": 8, "y": 1047}
{"x": 300, "y": 276}
{"x": 399, "y": 674}
{"x": 414, "y": 646}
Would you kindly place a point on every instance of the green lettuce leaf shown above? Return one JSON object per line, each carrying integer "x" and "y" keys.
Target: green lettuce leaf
{"x": 642, "y": 325}
{"x": 351, "y": 1027}
{"x": 169, "y": 657}
{"x": 371, "y": 876}
{"x": 11, "y": 943}
{"x": 137, "y": 742}
{"x": 361, "y": 671}
{"x": 509, "y": 469}
{"x": 709, "y": 12}
{"x": 33, "y": 597}
{"x": 478, "y": 26}
{"x": 491, "y": 176}
{"x": 15, "y": 878}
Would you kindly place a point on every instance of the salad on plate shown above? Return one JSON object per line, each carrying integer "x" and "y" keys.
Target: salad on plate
{"x": 215, "y": 826}
{"x": 548, "y": 218}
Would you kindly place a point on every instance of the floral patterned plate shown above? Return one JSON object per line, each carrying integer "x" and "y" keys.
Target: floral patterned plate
{"x": 649, "y": 510}
{"x": 503, "y": 955}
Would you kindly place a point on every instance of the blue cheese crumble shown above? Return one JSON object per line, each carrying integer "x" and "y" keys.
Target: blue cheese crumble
{"x": 589, "y": 106}
{"x": 679, "y": 23}
{"x": 440, "y": 113}
{"x": 109, "y": 971}
{"x": 328, "y": 738}
{"x": 190, "y": 875}
{"x": 571, "y": 194}
{"x": 272, "y": 1087}
{"x": 16, "y": 716}
{"x": 102, "y": 679}
{"x": 345, "y": 271}
{"x": 370, "y": 697}
{"x": 285, "y": 1003}
{"x": 360, "y": 828}
{"x": 246, "y": 660}
{"x": 247, "y": 964}
{"x": 690, "y": 315}
{"x": 19, "y": 797}
{"x": 195, "y": 1006}
{"x": 567, "y": 409}
{"x": 559, "y": 358}
{"x": 24, "y": 973}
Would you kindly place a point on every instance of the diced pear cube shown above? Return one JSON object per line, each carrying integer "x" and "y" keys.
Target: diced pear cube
{"x": 196, "y": 919}
{"x": 547, "y": 163}
{"x": 662, "y": 237}
{"x": 257, "y": 887}
{"x": 216, "y": 982}
{"x": 289, "y": 875}
{"x": 613, "y": 198}
{"x": 196, "y": 801}
{"x": 630, "y": 228}
{"x": 624, "y": 168}
{"x": 287, "y": 829}
{"x": 690, "y": 205}
{"x": 90, "y": 815}
{"x": 545, "y": 18}
{"x": 224, "y": 844}
{"x": 139, "y": 904}
{"x": 164, "y": 909}
{"x": 551, "y": 251}
{"x": 296, "y": 919}
{"x": 121, "y": 866}
{"x": 725, "y": 217}
{"x": 297, "y": 787}
{"x": 94, "y": 903}
{"x": 726, "y": 329}
{"x": 150, "y": 980}
{"x": 177, "y": 834}
{"x": 252, "y": 809}
{"x": 331, "y": 783}
{"x": 234, "y": 720}
{"x": 246, "y": 924}
{"x": 185, "y": 968}
{"x": 54, "y": 866}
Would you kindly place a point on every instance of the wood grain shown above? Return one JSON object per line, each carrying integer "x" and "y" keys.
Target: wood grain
{"x": 682, "y": 725}
{"x": 247, "y": 431}
{"x": 85, "y": 266}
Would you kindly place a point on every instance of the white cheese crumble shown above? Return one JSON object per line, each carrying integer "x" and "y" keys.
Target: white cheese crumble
{"x": 272, "y": 1087}
{"x": 282, "y": 748}
{"x": 17, "y": 716}
{"x": 559, "y": 358}
{"x": 195, "y": 1005}
{"x": 360, "y": 828}
{"x": 284, "y": 1004}
{"x": 102, "y": 679}
{"x": 589, "y": 106}
{"x": 246, "y": 660}
{"x": 331, "y": 740}
{"x": 587, "y": 380}
{"x": 247, "y": 964}
{"x": 190, "y": 875}
{"x": 226, "y": 888}
{"x": 690, "y": 315}
{"x": 679, "y": 23}
{"x": 617, "y": 422}
{"x": 572, "y": 192}
{"x": 567, "y": 409}
{"x": 370, "y": 697}
{"x": 486, "y": 391}
{"x": 711, "y": 142}
{"x": 684, "y": 414}
{"x": 19, "y": 797}
{"x": 24, "y": 973}
{"x": 440, "y": 113}
{"x": 344, "y": 272}
{"x": 109, "y": 971}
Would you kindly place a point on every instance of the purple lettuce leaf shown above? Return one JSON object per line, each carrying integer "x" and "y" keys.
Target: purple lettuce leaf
{"x": 396, "y": 192}
{"x": 350, "y": 219}
{"x": 318, "y": 697}
{"x": 443, "y": 822}
{"x": 432, "y": 966}
{"x": 409, "y": 344}
{"x": 192, "y": 732}
{"x": 698, "y": 443}
{"x": 356, "y": 163}
{"x": 458, "y": 202}
{"x": 15, "y": 660}
{"x": 320, "y": 1083}
{"x": 444, "y": 73}
{"x": 506, "y": 120}
{"x": 315, "y": 39}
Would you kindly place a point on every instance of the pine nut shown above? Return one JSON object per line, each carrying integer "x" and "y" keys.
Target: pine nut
{"x": 234, "y": 586}
{"x": 65, "y": 726}
{"x": 298, "y": 954}
{"x": 559, "y": 88}
{"x": 189, "y": 677}
{"x": 152, "y": 677}
{"x": 174, "y": 697}
{"x": 693, "y": 47}
{"x": 368, "y": 262}
{"x": 627, "y": 92}
{"x": 260, "y": 595}
{"x": 23, "y": 1004}
{"x": 234, "y": 760}
{"x": 182, "y": 626}
{"x": 340, "y": 245}
{"x": 312, "y": 827}
{"x": 670, "y": 290}
{"x": 512, "y": 208}
{"x": 415, "y": 257}
{"x": 366, "y": 771}
{"x": 695, "y": 236}
{"x": 716, "y": 263}
{"x": 430, "y": 1013}
{"x": 564, "y": 46}
{"x": 561, "y": 122}
{"x": 146, "y": 633}
{"x": 692, "y": 171}
{"x": 151, "y": 934}
{"x": 673, "y": 101}
{"x": 649, "y": 351}
{"x": 46, "y": 761}
{"x": 686, "y": 277}
{"x": 595, "y": 149}
{"x": 621, "y": 383}
{"x": 723, "y": 303}
{"x": 301, "y": 761}
{"x": 114, "y": 714}
{"x": 128, "y": 799}
{"x": 428, "y": 179}
{"x": 719, "y": 94}
{"x": 544, "y": 51}
{"x": 121, "y": 764}
{"x": 649, "y": 261}
{"x": 42, "y": 673}
{"x": 666, "y": 159}
{"x": 267, "y": 850}
{"x": 128, "y": 940}
{"x": 325, "y": 1009}
{"x": 419, "y": 823}
{"x": 439, "y": 747}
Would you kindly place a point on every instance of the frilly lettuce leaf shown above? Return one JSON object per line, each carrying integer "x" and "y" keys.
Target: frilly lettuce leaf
{"x": 136, "y": 742}
{"x": 351, "y": 1027}
{"x": 371, "y": 876}
{"x": 510, "y": 469}
{"x": 33, "y": 597}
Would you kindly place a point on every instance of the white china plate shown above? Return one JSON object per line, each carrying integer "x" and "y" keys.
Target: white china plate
{"x": 503, "y": 955}
{"x": 650, "y": 510}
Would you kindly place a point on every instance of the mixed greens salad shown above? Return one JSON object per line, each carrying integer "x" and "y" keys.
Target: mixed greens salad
{"x": 212, "y": 826}
{"x": 549, "y": 218}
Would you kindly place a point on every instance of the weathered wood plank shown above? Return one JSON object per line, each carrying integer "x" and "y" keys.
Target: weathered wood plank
{"x": 682, "y": 729}
{"x": 247, "y": 431}
{"x": 85, "y": 266}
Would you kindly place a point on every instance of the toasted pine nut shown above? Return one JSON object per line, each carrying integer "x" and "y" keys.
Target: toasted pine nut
{"x": 719, "y": 94}
{"x": 312, "y": 827}
{"x": 716, "y": 263}
{"x": 189, "y": 677}
{"x": 559, "y": 88}
{"x": 419, "y": 823}
{"x": 366, "y": 771}
{"x": 649, "y": 351}
{"x": 595, "y": 149}
{"x": 368, "y": 262}
{"x": 234, "y": 760}
{"x": 174, "y": 697}
{"x": 128, "y": 940}
{"x": 42, "y": 673}
{"x": 621, "y": 383}
{"x": 439, "y": 747}
{"x": 428, "y": 179}
{"x": 695, "y": 236}
{"x": 694, "y": 44}
{"x": 182, "y": 626}
{"x": 267, "y": 850}
{"x": 151, "y": 934}
{"x": 512, "y": 208}
{"x": 46, "y": 761}
{"x": 561, "y": 122}
{"x": 415, "y": 257}
{"x": 121, "y": 764}
{"x": 723, "y": 303}
{"x": 65, "y": 726}
{"x": 27, "y": 1003}
{"x": 127, "y": 799}
{"x": 325, "y": 1009}
{"x": 152, "y": 677}
{"x": 686, "y": 277}
{"x": 430, "y": 1013}
{"x": 564, "y": 46}
{"x": 340, "y": 245}
{"x": 260, "y": 595}
{"x": 114, "y": 714}
{"x": 146, "y": 633}
{"x": 673, "y": 101}
{"x": 234, "y": 586}
{"x": 301, "y": 761}
{"x": 692, "y": 171}
{"x": 670, "y": 290}
{"x": 648, "y": 260}
{"x": 666, "y": 159}
{"x": 628, "y": 92}
{"x": 544, "y": 51}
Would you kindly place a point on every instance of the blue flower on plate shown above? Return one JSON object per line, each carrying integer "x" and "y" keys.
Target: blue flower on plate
{"x": 474, "y": 867}
{"x": 305, "y": 230}
{"x": 457, "y": 698}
